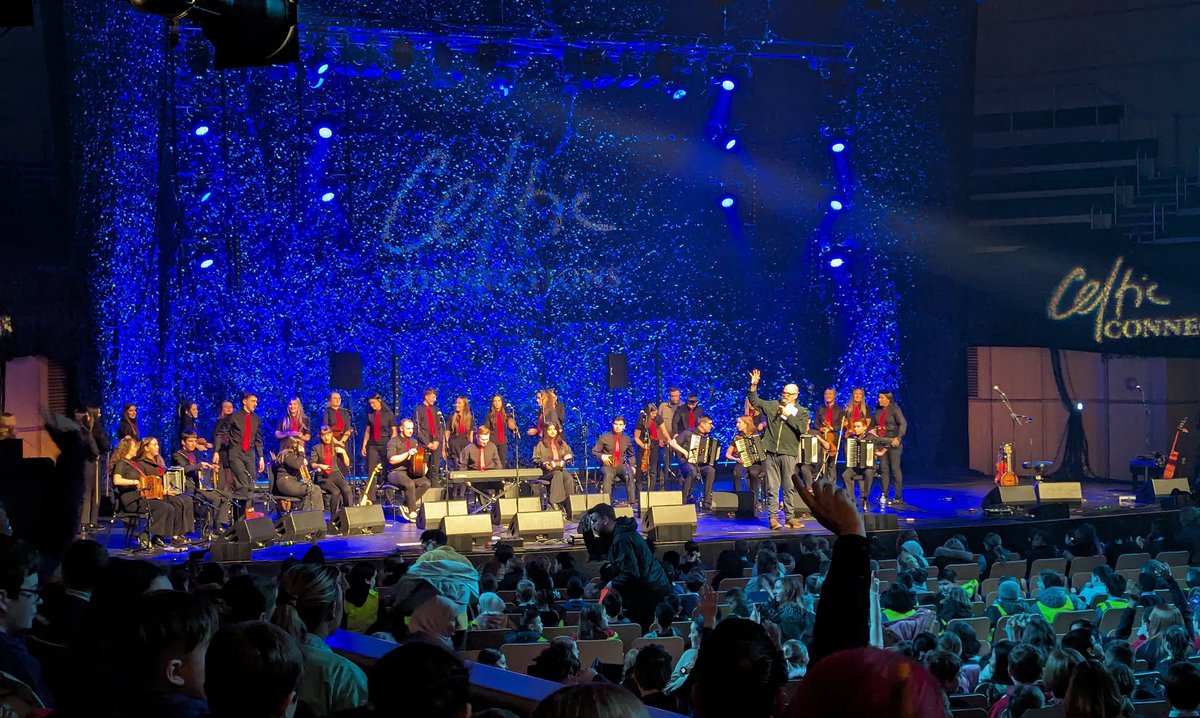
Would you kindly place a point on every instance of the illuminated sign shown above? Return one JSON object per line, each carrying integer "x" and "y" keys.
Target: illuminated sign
{"x": 1120, "y": 306}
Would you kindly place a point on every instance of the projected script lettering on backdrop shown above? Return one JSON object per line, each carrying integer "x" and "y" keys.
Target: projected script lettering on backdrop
{"x": 1109, "y": 301}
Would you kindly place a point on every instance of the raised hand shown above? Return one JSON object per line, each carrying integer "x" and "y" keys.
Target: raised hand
{"x": 708, "y": 605}
{"x": 755, "y": 375}
{"x": 831, "y": 507}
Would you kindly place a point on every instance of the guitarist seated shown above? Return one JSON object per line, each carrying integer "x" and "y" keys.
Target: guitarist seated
{"x": 406, "y": 461}
{"x": 326, "y": 460}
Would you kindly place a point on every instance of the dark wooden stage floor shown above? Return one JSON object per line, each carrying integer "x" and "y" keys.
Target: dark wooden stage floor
{"x": 935, "y": 508}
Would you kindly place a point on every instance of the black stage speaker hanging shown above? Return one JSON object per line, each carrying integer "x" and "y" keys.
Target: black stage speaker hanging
{"x": 345, "y": 371}
{"x": 618, "y": 371}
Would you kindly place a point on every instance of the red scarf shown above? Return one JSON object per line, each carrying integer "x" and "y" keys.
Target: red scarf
{"x": 554, "y": 450}
{"x": 338, "y": 424}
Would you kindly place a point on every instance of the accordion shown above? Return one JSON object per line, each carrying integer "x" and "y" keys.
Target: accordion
{"x": 702, "y": 450}
{"x": 174, "y": 481}
{"x": 749, "y": 449}
{"x": 810, "y": 450}
{"x": 860, "y": 453}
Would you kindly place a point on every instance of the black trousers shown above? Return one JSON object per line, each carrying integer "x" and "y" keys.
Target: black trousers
{"x": 889, "y": 465}
{"x": 756, "y": 478}
{"x": 376, "y": 455}
{"x": 163, "y": 516}
{"x": 861, "y": 479}
{"x": 626, "y": 472}
{"x": 706, "y": 475}
{"x": 414, "y": 489}
{"x": 214, "y": 506}
{"x": 655, "y": 478}
{"x": 308, "y": 494}
{"x": 88, "y": 505}
{"x": 338, "y": 489}
{"x": 503, "y": 449}
{"x": 244, "y": 467}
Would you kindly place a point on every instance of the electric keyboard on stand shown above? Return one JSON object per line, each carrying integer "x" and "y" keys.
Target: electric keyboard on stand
{"x": 509, "y": 478}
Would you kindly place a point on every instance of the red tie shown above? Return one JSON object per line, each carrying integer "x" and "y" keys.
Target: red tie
{"x": 691, "y": 418}
{"x": 653, "y": 431}
{"x": 883, "y": 421}
{"x": 338, "y": 424}
{"x": 554, "y": 452}
{"x": 246, "y": 435}
{"x": 829, "y": 416}
{"x": 407, "y": 444}
{"x": 500, "y": 427}
{"x": 616, "y": 449}
{"x": 375, "y": 428}
{"x": 429, "y": 418}
{"x": 482, "y": 464}
{"x": 328, "y": 455}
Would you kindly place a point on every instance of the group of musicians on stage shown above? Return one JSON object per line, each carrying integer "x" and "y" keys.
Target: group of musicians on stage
{"x": 774, "y": 439}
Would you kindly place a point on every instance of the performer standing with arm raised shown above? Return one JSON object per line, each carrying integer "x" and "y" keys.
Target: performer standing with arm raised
{"x": 891, "y": 426}
{"x": 786, "y": 421}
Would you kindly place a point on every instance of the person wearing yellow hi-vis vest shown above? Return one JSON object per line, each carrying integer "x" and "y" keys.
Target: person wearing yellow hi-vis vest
{"x": 1052, "y": 596}
{"x": 897, "y": 603}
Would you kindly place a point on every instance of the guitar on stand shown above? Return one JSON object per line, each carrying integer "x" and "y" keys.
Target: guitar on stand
{"x": 1004, "y": 473}
{"x": 1173, "y": 457}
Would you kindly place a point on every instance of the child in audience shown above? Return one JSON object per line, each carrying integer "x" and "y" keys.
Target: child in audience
{"x": 796, "y": 655}
{"x": 1182, "y": 683}
{"x": 254, "y": 654}
{"x": 492, "y": 615}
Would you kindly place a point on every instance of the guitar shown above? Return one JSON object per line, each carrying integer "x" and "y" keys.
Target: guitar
{"x": 1004, "y": 472}
{"x": 1173, "y": 457}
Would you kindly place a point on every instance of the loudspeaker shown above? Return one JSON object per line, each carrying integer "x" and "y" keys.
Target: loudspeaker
{"x": 650, "y": 499}
{"x": 618, "y": 371}
{"x": 432, "y": 512}
{"x": 507, "y": 508}
{"x": 582, "y": 503}
{"x": 537, "y": 523}
{"x": 670, "y": 523}
{"x": 359, "y": 520}
{"x": 881, "y": 522}
{"x": 1009, "y": 496}
{"x": 1059, "y": 511}
{"x": 463, "y": 532}
{"x": 225, "y": 551}
{"x": 257, "y": 533}
{"x": 345, "y": 370}
{"x": 739, "y": 504}
{"x": 301, "y": 526}
{"x": 1060, "y": 492}
{"x": 1164, "y": 490}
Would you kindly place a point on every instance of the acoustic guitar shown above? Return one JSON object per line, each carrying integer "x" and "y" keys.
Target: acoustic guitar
{"x": 1004, "y": 472}
{"x": 1173, "y": 457}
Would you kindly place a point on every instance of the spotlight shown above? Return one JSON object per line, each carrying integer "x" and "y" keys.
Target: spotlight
{"x": 323, "y": 68}
{"x": 502, "y": 85}
{"x": 243, "y": 33}
{"x": 727, "y": 201}
{"x": 836, "y": 205}
{"x": 730, "y": 143}
{"x": 201, "y": 130}
{"x": 1079, "y": 406}
{"x": 206, "y": 196}
{"x": 728, "y": 84}
{"x": 675, "y": 91}
{"x": 206, "y": 262}
{"x": 838, "y": 147}
{"x": 324, "y": 132}
{"x": 327, "y": 197}
{"x": 836, "y": 262}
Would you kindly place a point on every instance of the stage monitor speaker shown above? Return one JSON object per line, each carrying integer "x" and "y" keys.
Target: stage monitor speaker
{"x": 880, "y": 522}
{"x": 670, "y": 523}
{"x": 1164, "y": 490}
{"x": 432, "y": 512}
{"x": 345, "y": 370}
{"x": 507, "y": 508}
{"x": 584, "y": 502}
{"x": 302, "y": 526}
{"x": 225, "y": 551}
{"x": 733, "y": 504}
{"x": 256, "y": 533}
{"x": 618, "y": 371}
{"x": 537, "y": 523}
{"x": 463, "y": 532}
{"x": 435, "y": 493}
{"x": 1059, "y": 511}
{"x": 359, "y": 520}
{"x": 650, "y": 499}
{"x": 1023, "y": 495}
{"x": 1060, "y": 492}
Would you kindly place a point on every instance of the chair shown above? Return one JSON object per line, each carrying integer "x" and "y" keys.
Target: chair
{"x": 1058, "y": 565}
{"x": 1013, "y": 568}
{"x": 129, "y": 519}
{"x": 1085, "y": 564}
{"x": 709, "y": 575}
{"x": 989, "y": 598}
{"x": 557, "y": 631}
{"x": 1151, "y": 709}
{"x": 477, "y": 640}
{"x": 964, "y": 571}
{"x": 985, "y": 649}
{"x": 683, "y": 628}
{"x": 572, "y": 618}
{"x": 1063, "y": 621}
{"x": 612, "y": 652}
{"x": 468, "y": 655}
{"x": 1132, "y": 560}
{"x": 1047, "y": 712}
{"x": 728, "y": 583}
{"x": 889, "y": 563}
{"x": 1174, "y": 558}
{"x": 971, "y": 700}
{"x": 520, "y": 655}
{"x": 1131, "y": 576}
{"x": 978, "y": 608}
{"x": 628, "y": 633}
{"x": 16, "y": 698}
{"x": 968, "y": 712}
{"x": 1001, "y": 626}
{"x": 886, "y": 575}
{"x": 1079, "y": 580}
{"x": 673, "y": 644}
{"x": 1112, "y": 618}
{"x": 748, "y": 572}
{"x": 508, "y": 597}
{"x": 981, "y": 626}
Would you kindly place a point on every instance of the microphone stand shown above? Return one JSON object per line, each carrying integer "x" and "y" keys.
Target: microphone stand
{"x": 1017, "y": 421}
{"x": 1146, "y": 411}
{"x": 587, "y": 477}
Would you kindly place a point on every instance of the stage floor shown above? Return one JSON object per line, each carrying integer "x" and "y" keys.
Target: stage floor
{"x": 951, "y": 503}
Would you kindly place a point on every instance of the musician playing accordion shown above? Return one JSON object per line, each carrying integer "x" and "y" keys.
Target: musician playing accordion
{"x": 751, "y": 459}
{"x": 698, "y": 451}
{"x": 862, "y": 456}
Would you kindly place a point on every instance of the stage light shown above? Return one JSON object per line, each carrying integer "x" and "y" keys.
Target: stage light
{"x": 836, "y": 205}
{"x": 674, "y": 91}
{"x": 731, "y": 143}
{"x": 206, "y": 196}
{"x": 327, "y": 197}
{"x": 836, "y": 262}
{"x": 324, "y": 132}
{"x": 201, "y": 130}
{"x": 728, "y": 84}
{"x": 502, "y": 85}
{"x": 1079, "y": 406}
{"x": 323, "y": 68}
{"x": 243, "y": 33}
{"x": 727, "y": 201}
{"x": 206, "y": 263}
{"x": 838, "y": 147}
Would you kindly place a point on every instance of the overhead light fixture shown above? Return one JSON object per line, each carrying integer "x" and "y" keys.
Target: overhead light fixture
{"x": 243, "y": 33}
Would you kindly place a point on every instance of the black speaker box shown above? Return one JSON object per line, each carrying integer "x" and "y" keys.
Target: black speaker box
{"x": 1010, "y": 496}
{"x": 1173, "y": 493}
{"x": 537, "y": 523}
{"x": 225, "y": 551}
{"x": 670, "y": 523}
{"x": 618, "y": 371}
{"x": 881, "y": 522}
{"x": 359, "y": 520}
{"x": 464, "y": 532}
{"x": 733, "y": 504}
{"x": 257, "y": 533}
{"x": 301, "y": 526}
{"x": 1060, "y": 492}
{"x": 345, "y": 370}
{"x": 1051, "y": 512}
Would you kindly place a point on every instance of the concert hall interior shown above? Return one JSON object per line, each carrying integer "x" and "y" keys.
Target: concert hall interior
{"x": 493, "y": 282}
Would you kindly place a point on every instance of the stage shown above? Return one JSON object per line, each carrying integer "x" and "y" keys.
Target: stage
{"x": 935, "y": 508}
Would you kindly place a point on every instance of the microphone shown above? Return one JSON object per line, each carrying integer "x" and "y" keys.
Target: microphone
{"x": 574, "y": 408}
{"x": 508, "y": 406}
{"x": 997, "y": 388}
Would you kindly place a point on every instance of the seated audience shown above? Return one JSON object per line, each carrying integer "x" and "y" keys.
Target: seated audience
{"x": 664, "y": 616}
{"x": 593, "y": 624}
{"x": 1182, "y": 684}
{"x": 443, "y": 680}
{"x": 559, "y": 663}
{"x": 19, "y": 600}
{"x": 591, "y": 700}
{"x": 64, "y": 607}
{"x": 435, "y": 621}
{"x": 362, "y": 600}
{"x": 1025, "y": 669}
{"x": 651, "y": 671}
{"x": 492, "y": 657}
{"x": 898, "y": 602}
{"x": 1153, "y": 647}
{"x": 739, "y": 607}
{"x": 161, "y": 657}
{"x": 492, "y": 615}
{"x": 1023, "y": 699}
{"x": 946, "y": 667}
{"x": 794, "y": 619}
{"x": 1093, "y": 692}
{"x": 796, "y": 655}
{"x": 574, "y": 591}
{"x": 1056, "y": 675}
{"x": 614, "y": 608}
{"x": 254, "y": 654}
{"x": 529, "y": 628}
{"x": 248, "y": 598}
{"x": 739, "y": 672}
{"x": 994, "y": 680}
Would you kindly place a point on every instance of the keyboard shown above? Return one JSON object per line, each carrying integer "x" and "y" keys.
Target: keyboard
{"x": 493, "y": 475}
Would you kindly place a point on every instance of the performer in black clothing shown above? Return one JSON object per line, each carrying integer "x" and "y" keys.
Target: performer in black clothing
{"x": 221, "y": 447}
{"x": 503, "y": 427}
{"x": 891, "y": 425}
{"x": 650, "y": 437}
{"x": 380, "y": 428}
{"x": 686, "y": 416}
{"x": 150, "y": 461}
{"x": 857, "y": 409}
{"x": 125, "y": 474}
{"x": 430, "y": 427}
{"x": 828, "y": 420}
{"x": 401, "y": 451}
{"x": 292, "y": 477}
{"x": 698, "y": 452}
{"x": 480, "y": 455}
{"x": 460, "y": 431}
{"x": 327, "y": 459}
{"x": 756, "y": 471}
{"x": 553, "y": 455}
{"x": 860, "y": 477}
{"x": 614, "y": 450}
{"x": 215, "y": 503}
{"x": 89, "y": 501}
{"x": 550, "y": 409}
{"x": 339, "y": 421}
{"x": 129, "y": 425}
{"x": 189, "y": 412}
{"x": 245, "y": 441}
{"x": 786, "y": 421}
{"x": 294, "y": 423}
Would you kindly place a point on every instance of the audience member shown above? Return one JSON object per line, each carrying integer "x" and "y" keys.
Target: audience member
{"x": 1039, "y": 634}
{"x": 19, "y": 600}
{"x": 1153, "y": 647}
{"x": 651, "y": 671}
{"x": 574, "y": 591}
{"x": 558, "y": 663}
{"x": 664, "y": 616}
{"x": 435, "y": 622}
{"x": 1024, "y": 698}
{"x": 63, "y": 612}
{"x": 1060, "y": 666}
{"x": 1025, "y": 669}
{"x": 566, "y": 568}
{"x": 255, "y": 654}
{"x": 1092, "y": 693}
{"x": 1182, "y": 684}
{"x": 593, "y": 624}
{"x": 739, "y": 671}
{"x": 502, "y": 553}
{"x": 248, "y": 598}
{"x": 434, "y": 547}
{"x": 443, "y": 680}
{"x": 994, "y": 679}
{"x": 362, "y": 600}
{"x": 794, "y": 619}
{"x": 614, "y": 607}
{"x": 1083, "y": 541}
{"x": 946, "y": 667}
{"x": 492, "y": 657}
{"x": 638, "y": 577}
{"x": 492, "y": 614}
{"x": 161, "y": 658}
{"x": 796, "y": 655}
{"x": 591, "y": 700}
{"x": 529, "y": 628}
